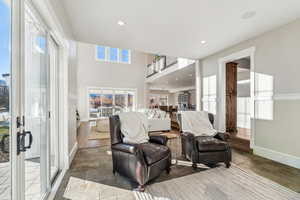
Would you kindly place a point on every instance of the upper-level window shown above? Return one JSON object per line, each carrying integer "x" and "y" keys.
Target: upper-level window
{"x": 110, "y": 54}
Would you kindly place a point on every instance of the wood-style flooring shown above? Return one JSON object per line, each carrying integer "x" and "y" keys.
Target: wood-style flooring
{"x": 93, "y": 163}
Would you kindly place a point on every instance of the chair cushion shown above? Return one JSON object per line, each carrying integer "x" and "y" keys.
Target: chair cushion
{"x": 206, "y": 143}
{"x": 154, "y": 152}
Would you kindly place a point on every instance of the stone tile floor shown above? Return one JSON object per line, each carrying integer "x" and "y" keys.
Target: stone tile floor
{"x": 32, "y": 181}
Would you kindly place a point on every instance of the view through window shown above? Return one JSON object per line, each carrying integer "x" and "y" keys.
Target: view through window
{"x": 115, "y": 55}
{"x": 106, "y": 102}
{"x": 5, "y": 73}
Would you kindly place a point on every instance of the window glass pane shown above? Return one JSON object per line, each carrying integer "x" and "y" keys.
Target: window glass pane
{"x": 130, "y": 101}
{"x": 213, "y": 85}
{"x": 40, "y": 44}
{"x": 120, "y": 101}
{"x": 206, "y": 106}
{"x": 106, "y": 108}
{"x": 113, "y": 54}
{"x": 205, "y": 86}
{"x": 95, "y": 103}
{"x": 101, "y": 52}
{"x": 125, "y": 55}
{"x": 5, "y": 115}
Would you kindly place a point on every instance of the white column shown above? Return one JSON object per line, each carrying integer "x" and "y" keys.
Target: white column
{"x": 198, "y": 81}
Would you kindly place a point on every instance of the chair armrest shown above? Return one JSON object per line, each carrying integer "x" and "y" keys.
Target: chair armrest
{"x": 223, "y": 136}
{"x": 158, "y": 139}
{"x": 188, "y": 135}
{"x": 127, "y": 148}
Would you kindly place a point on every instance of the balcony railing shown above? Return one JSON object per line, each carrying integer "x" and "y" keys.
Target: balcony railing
{"x": 161, "y": 63}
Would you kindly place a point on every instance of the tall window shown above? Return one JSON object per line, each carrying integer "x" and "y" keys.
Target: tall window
{"x": 107, "y": 102}
{"x": 243, "y": 112}
{"x": 263, "y": 96}
{"x": 115, "y": 55}
{"x": 209, "y": 94}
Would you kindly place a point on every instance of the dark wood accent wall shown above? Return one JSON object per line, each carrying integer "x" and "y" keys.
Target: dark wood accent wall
{"x": 231, "y": 97}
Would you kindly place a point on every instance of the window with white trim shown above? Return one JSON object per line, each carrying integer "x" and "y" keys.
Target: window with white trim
{"x": 114, "y": 55}
{"x": 107, "y": 102}
{"x": 263, "y": 96}
{"x": 209, "y": 94}
{"x": 243, "y": 112}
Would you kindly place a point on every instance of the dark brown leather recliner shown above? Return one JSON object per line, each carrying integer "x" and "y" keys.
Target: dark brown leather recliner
{"x": 138, "y": 162}
{"x": 205, "y": 149}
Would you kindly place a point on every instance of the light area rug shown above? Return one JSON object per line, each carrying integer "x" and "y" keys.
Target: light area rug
{"x": 95, "y": 135}
{"x": 213, "y": 184}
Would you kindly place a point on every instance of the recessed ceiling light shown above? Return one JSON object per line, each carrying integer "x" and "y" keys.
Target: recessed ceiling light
{"x": 203, "y": 42}
{"x": 248, "y": 14}
{"x": 121, "y": 23}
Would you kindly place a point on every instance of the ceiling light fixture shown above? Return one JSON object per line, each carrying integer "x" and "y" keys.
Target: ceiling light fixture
{"x": 121, "y": 23}
{"x": 203, "y": 42}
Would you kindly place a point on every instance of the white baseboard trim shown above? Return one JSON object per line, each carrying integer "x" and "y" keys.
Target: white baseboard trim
{"x": 73, "y": 152}
{"x": 283, "y": 158}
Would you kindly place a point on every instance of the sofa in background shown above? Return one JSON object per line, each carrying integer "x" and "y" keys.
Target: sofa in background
{"x": 158, "y": 120}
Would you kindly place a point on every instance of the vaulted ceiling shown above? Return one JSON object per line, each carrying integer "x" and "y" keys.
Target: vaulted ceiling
{"x": 176, "y": 27}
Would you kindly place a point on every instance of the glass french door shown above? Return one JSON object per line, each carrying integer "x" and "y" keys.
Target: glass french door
{"x": 29, "y": 133}
{"x": 53, "y": 108}
{"x": 35, "y": 106}
{"x": 5, "y": 105}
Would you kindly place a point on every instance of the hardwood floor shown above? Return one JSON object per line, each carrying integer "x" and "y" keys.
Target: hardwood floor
{"x": 83, "y": 134}
{"x": 243, "y": 133}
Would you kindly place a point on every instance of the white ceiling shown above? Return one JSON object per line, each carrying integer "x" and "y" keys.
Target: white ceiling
{"x": 176, "y": 27}
{"x": 184, "y": 78}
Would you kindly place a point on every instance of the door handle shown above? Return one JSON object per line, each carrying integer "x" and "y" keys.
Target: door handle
{"x": 30, "y": 139}
{"x": 5, "y": 143}
{"x": 21, "y": 141}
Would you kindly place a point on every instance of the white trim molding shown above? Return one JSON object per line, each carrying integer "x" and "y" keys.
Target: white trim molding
{"x": 221, "y": 94}
{"x": 73, "y": 153}
{"x": 283, "y": 158}
{"x": 287, "y": 96}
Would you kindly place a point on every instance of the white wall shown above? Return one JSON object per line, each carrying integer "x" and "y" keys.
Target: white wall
{"x": 72, "y": 94}
{"x": 277, "y": 54}
{"x": 92, "y": 73}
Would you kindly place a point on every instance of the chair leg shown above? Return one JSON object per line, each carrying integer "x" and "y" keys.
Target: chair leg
{"x": 141, "y": 188}
{"x": 211, "y": 165}
{"x": 194, "y": 165}
{"x": 168, "y": 170}
{"x": 227, "y": 164}
{"x": 114, "y": 172}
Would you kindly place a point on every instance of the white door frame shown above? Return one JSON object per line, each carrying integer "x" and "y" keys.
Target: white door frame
{"x": 17, "y": 61}
{"x": 221, "y": 89}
